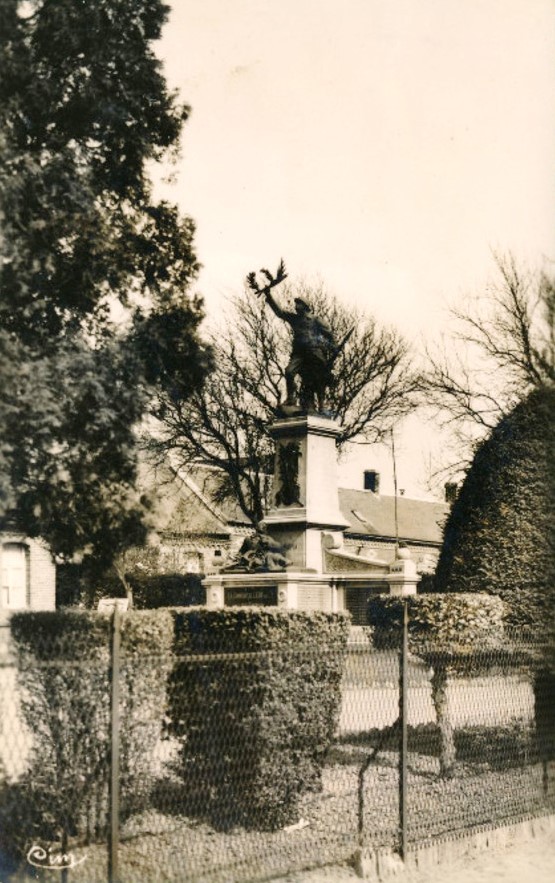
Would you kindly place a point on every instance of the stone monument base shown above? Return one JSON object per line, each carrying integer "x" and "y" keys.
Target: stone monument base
{"x": 305, "y": 521}
{"x": 305, "y": 590}
{"x": 291, "y": 590}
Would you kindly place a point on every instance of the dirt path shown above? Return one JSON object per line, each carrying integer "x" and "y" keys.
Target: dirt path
{"x": 531, "y": 861}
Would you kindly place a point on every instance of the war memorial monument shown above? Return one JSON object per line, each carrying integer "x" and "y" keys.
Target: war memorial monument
{"x": 297, "y": 558}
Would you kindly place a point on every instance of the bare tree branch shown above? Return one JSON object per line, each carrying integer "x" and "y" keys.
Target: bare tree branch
{"x": 504, "y": 347}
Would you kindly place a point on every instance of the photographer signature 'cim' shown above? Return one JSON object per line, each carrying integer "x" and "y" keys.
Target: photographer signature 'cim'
{"x": 40, "y": 857}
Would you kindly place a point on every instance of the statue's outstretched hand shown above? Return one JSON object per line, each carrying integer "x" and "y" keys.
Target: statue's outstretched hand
{"x": 271, "y": 281}
{"x": 252, "y": 283}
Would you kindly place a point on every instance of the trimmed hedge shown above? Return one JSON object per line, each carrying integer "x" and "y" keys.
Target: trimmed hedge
{"x": 456, "y": 624}
{"x": 63, "y": 661}
{"x": 150, "y": 591}
{"x": 166, "y": 590}
{"x": 446, "y": 631}
{"x": 500, "y": 534}
{"x": 254, "y": 700}
{"x": 256, "y": 723}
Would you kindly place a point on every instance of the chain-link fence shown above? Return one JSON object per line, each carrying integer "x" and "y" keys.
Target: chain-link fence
{"x": 141, "y": 766}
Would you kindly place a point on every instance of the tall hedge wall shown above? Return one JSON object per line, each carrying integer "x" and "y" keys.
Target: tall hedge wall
{"x": 255, "y": 698}
{"x": 500, "y": 535}
{"x": 64, "y": 675}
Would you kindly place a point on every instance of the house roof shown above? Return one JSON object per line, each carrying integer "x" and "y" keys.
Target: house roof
{"x": 373, "y": 515}
{"x": 207, "y": 481}
{"x": 185, "y": 505}
{"x": 184, "y": 502}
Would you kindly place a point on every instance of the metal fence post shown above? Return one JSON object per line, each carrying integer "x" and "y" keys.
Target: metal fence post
{"x": 113, "y": 827}
{"x": 403, "y": 732}
{"x": 65, "y": 871}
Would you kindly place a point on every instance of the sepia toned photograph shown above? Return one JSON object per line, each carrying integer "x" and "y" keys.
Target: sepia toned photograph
{"x": 277, "y": 446}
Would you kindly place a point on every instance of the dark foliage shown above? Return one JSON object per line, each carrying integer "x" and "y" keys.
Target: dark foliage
{"x": 63, "y": 661}
{"x": 148, "y": 591}
{"x": 167, "y": 590}
{"x": 500, "y": 534}
{"x": 478, "y": 747}
{"x": 256, "y": 723}
{"x": 92, "y": 267}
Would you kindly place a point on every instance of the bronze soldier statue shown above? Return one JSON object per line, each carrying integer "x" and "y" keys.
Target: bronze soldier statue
{"x": 314, "y": 348}
{"x": 259, "y": 553}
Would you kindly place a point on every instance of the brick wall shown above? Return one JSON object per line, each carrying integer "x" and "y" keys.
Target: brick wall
{"x": 41, "y": 570}
{"x": 42, "y": 577}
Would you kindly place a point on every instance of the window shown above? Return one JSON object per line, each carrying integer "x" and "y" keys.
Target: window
{"x": 13, "y": 590}
{"x": 372, "y": 481}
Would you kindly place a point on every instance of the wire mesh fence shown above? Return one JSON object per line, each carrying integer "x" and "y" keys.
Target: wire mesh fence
{"x": 128, "y": 765}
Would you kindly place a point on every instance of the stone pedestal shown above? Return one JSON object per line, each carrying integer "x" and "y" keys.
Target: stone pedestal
{"x": 305, "y": 519}
{"x": 305, "y": 500}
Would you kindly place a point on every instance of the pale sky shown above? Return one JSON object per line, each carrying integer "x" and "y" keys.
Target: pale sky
{"x": 386, "y": 146}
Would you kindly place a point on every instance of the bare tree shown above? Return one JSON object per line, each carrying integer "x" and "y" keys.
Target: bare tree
{"x": 502, "y": 348}
{"x": 226, "y": 424}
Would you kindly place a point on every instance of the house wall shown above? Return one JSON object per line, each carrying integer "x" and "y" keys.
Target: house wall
{"x": 40, "y": 572}
{"x": 42, "y": 577}
{"x": 184, "y": 554}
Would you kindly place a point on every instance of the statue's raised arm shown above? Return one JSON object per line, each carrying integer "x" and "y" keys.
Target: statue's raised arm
{"x": 314, "y": 347}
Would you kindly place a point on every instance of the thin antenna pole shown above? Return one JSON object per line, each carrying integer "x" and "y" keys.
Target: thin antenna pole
{"x": 395, "y": 490}
{"x": 403, "y": 734}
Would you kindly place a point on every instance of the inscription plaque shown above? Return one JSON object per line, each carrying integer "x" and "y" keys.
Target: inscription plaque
{"x": 246, "y": 596}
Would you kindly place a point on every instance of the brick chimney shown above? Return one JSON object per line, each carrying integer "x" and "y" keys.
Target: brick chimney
{"x": 451, "y": 492}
